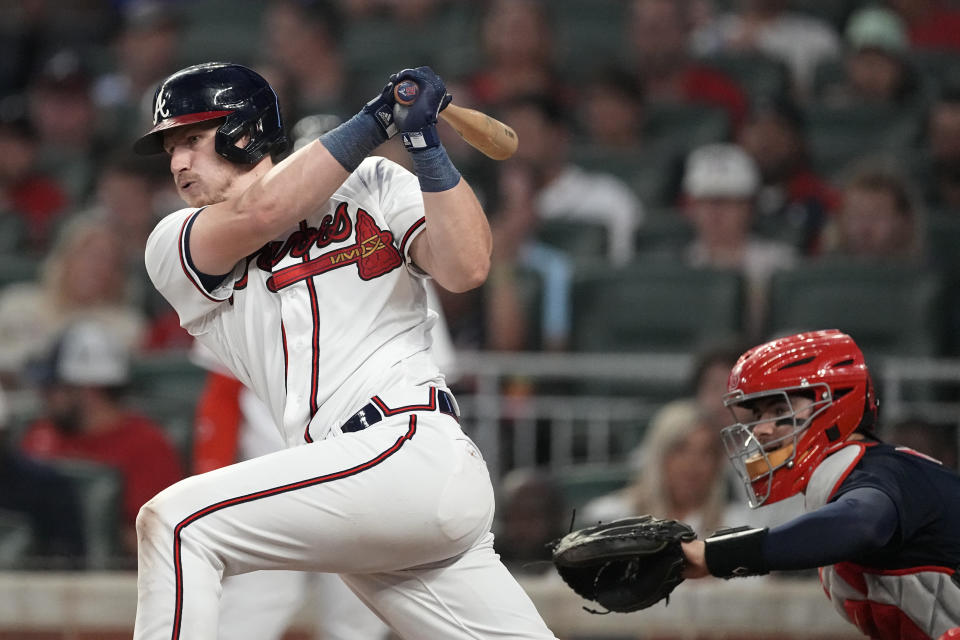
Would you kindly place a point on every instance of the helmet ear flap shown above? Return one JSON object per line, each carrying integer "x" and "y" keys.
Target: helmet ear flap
{"x": 259, "y": 118}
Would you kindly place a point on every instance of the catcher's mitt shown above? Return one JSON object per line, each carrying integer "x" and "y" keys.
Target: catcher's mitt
{"x": 624, "y": 565}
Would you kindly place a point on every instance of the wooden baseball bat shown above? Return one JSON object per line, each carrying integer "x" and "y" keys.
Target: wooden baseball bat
{"x": 485, "y": 134}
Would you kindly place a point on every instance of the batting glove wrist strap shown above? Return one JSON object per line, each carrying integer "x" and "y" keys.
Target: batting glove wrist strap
{"x": 735, "y": 553}
{"x": 353, "y": 140}
{"x": 425, "y": 138}
{"x": 434, "y": 168}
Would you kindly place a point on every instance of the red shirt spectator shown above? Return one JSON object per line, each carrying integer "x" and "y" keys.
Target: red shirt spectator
{"x": 133, "y": 444}
{"x": 701, "y": 84}
{"x": 931, "y": 24}
{"x": 84, "y": 418}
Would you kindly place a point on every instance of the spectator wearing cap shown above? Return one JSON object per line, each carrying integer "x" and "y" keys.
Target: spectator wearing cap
{"x": 720, "y": 184}
{"x": 793, "y": 203}
{"x": 876, "y": 69}
{"x": 83, "y": 382}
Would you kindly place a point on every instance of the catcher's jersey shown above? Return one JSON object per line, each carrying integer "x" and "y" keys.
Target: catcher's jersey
{"x": 910, "y": 588}
{"x": 324, "y": 317}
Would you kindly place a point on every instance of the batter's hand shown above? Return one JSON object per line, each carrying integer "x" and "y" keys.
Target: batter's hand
{"x": 381, "y": 108}
{"x": 418, "y": 120}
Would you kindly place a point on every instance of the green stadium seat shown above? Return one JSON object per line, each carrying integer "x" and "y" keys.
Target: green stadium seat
{"x": 664, "y": 231}
{"x": 235, "y": 38}
{"x": 672, "y": 130}
{"x": 838, "y": 136}
{"x": 16, "y": 539}
{"x": 579, "y": 485}
{"x": 100, "y": 492}
{"x": 654, "y": 307}
{"x": 582, "y": 241}
{"x": 18, "y": 267}
{"x": 889, "y": 309}
{"x": 169, "y": 375}
{"x": 942, "y": 242}
{"x": 587, "y": 26}
{"x": 761, "y": 76}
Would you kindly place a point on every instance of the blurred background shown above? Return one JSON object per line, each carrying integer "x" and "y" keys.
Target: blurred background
{"x": 694, "y": 176}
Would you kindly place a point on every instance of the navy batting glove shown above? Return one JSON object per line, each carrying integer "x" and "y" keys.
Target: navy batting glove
{"x": 418, "y": 121}
{"x": 381, "y": 109}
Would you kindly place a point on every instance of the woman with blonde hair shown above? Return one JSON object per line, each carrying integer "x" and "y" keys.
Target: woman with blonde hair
{"x": 680, "y": 474}
{"x": 83, "y": 277}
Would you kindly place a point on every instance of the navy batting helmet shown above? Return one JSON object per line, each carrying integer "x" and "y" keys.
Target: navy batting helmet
{"x": 219, "y": 90}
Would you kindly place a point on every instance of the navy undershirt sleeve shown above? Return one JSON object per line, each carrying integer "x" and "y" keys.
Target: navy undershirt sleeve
{"x": 208, "y": 281}
{"x": 860, "y": 521}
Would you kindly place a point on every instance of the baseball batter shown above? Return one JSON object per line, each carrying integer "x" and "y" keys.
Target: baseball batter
{"x": 305, "y": 279}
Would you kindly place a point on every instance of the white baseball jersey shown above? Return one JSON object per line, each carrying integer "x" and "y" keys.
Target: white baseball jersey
{"x": 328, "y": 324}
{"x": 314, "y": 352}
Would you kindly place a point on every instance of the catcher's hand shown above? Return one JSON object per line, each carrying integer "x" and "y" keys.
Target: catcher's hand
{"x": 624, "y": 565}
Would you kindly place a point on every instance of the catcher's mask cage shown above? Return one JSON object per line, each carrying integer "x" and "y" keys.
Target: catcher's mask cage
{"x": 756, "y": 460}
{"x": 825, "y": 366}
{"x": 245, "y": 101}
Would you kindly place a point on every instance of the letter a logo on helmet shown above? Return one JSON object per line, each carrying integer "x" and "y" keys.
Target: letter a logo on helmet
{"x": 213, "y": 90}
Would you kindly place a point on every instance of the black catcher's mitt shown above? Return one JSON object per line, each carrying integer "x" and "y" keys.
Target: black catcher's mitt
{"x": 624, "y": 565}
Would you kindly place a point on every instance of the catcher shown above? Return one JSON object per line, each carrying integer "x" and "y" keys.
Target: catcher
{"x": 882, "y": 522}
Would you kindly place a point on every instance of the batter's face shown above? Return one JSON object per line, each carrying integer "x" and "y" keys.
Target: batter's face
{"x": 202, "y": 175}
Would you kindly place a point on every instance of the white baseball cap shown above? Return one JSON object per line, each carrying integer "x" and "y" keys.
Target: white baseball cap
{"x": 720, "y": 171}
{"x": 88, "y": 354}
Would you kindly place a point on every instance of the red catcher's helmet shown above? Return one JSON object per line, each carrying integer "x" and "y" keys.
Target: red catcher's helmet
{"x": 245, "y": 101}
{"x": 825, "y": 366}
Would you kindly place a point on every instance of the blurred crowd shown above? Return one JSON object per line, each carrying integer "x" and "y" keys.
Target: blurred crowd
{"x": 753, "y": 137}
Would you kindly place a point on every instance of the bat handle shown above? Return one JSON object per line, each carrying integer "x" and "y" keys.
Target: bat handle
{"x": 406, "y": 92}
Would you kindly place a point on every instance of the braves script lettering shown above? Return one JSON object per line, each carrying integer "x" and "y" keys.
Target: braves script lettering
{"x": 373, "y": 252}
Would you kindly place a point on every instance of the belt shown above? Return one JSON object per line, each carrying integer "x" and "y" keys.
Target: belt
{"x": 376, "y": 410}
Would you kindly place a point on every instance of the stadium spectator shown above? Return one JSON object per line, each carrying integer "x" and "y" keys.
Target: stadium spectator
{"x": 611, "y": 118}
{"x": 539, "y": 184}
{"x": 793, "y": 203}
{"x": 942, "y": 142}
{"x": 84, "y": 276}
{"x": 304, "y": 44}
{"x": 565, "y": 191}
{"x": 83, "y": 382}
{"x": 769, "y": 27}
{"x": 711, "y": 368}
{"x": 875, "y": 64}
{"x": 679, "y": 473}
{"x": 27, "y": 195}
{"x": 145, "y": 49}
{"x": 61, "y": 107}
{"x": 658, "y": 38}
{"x": 516, "y": 55}
{"x": 406, "y": 11}
{"x": 532, "y": 513}
{"x": 931, "y": 24}
{"x": 878, "y": 219}
{"x": 39, "y": 493}
{"x": 720, "y": 184}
